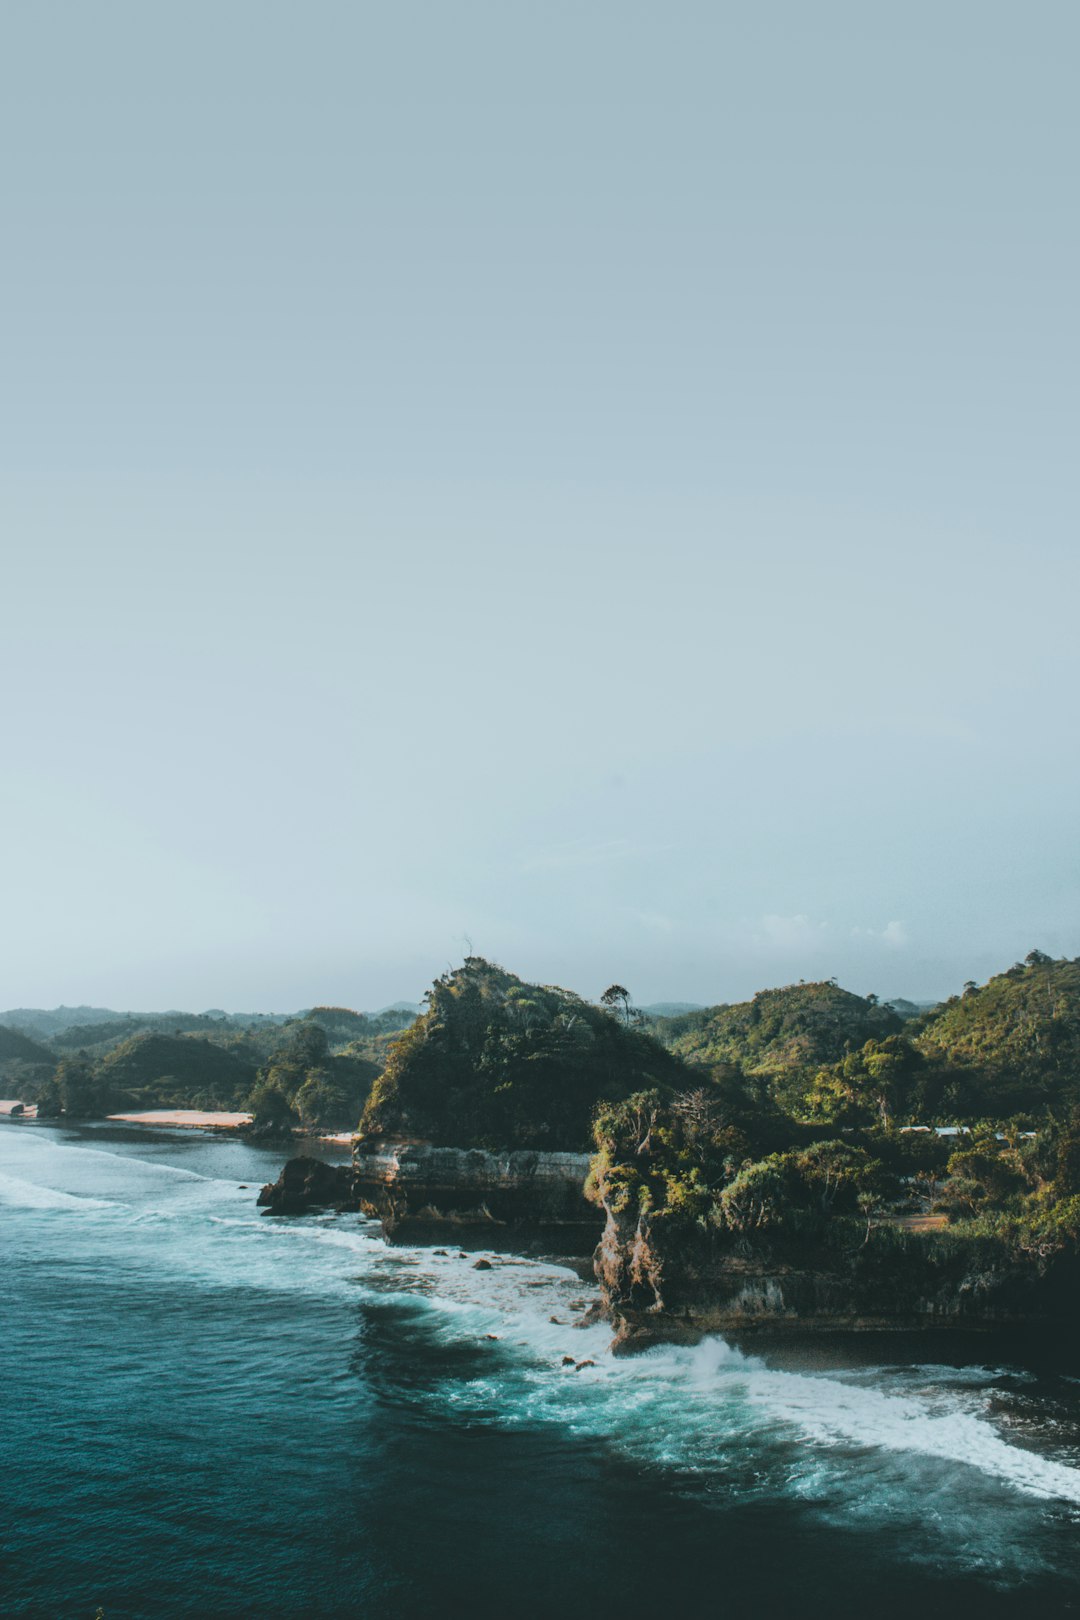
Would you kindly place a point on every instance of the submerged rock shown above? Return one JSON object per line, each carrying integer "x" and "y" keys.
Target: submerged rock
{"x": 308, "y": 1184}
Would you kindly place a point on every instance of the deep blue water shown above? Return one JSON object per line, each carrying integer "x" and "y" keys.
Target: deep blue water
{"x": 211, "y": 1413}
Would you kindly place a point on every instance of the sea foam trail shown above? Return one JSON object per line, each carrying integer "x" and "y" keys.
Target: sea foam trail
{"x": 698, "y": 1400}
{"x": 128, "y": 1159}
{"x": 30, "y": 1195}
{"x": 828, "y": 1412}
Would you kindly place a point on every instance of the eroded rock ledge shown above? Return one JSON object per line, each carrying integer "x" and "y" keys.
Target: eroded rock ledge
{"x": 661, "y": 1285}
{"x": 523, "y": 1199}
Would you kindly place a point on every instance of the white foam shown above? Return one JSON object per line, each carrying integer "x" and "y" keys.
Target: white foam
{"x": 22, "y": 1194}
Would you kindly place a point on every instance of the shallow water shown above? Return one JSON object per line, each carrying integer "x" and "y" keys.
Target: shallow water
{"x": 213, "y": 1413}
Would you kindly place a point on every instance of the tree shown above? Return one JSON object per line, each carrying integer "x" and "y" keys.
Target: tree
{"x": 79, "y": 1094}
{"x": 306, "y": 1044}
{"x": 270, "y": 1107}
{"x": 616, "y": 1000}
{"x": 321, "y": 1101}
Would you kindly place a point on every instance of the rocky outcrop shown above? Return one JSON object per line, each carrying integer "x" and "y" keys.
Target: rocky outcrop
{"x": 524, "y": 1199}
{"x": 660, "y": 1283}
{"x": 308, "y": 1184}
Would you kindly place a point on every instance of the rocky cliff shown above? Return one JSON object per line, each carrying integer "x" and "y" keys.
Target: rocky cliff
{"x": 522, "y": 1199}
{"x": 660, "y": 1283}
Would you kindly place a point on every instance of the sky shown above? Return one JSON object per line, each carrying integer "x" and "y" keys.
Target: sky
{"x": 590, "y": 484}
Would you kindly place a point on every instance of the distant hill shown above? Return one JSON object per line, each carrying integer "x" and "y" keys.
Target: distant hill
{"x": 909, "y": 1009}
{"x": 796, "y": 1028}
{"x": 498, "y": 1063}
{"x": 181, "y": 1071}
{"x": 343, "y": 1026}
{"x": 18, "y": 1050}
{"x": 44, "y": 1022}
{"x": 672, "y": 1009}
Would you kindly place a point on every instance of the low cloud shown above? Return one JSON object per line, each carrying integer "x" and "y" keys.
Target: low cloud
{"x": 795, "y": 933}
{"x": 894, "y": 934}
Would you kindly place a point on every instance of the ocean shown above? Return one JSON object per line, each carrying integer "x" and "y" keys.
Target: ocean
{"x": 207, "y": 1412}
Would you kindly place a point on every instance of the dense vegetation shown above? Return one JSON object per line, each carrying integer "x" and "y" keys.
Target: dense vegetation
{"x": 498, "y": 1063}
{"x": 1014, "y": 1044}
{"x": 21, "y": 1057}
{"x": 782, "y": 1035}
{"x": 680, "y": 1164}
{"x": 820, "y": 1053}
{"x": 803, "y": 1122}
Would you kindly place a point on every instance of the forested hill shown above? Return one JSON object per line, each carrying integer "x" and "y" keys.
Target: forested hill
{"x": 17, "y": 1049}
{"x": 1014, "y": 1042}
{"x": 498, "y": 1063}
{"x": 800, "y": 1026}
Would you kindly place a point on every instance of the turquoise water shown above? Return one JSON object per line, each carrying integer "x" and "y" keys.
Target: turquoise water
{"x": 212, "y": 1413}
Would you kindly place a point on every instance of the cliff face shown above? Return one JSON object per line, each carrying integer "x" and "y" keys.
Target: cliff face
{"x": 424, "y": 1193}
{"x": 660, "y": 1284}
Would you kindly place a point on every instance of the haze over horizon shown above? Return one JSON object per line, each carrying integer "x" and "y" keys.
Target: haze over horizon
{"x": 585, "y": 483}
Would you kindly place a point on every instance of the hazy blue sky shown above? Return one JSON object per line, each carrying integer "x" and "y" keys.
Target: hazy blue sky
{"x": 599, "y": 480}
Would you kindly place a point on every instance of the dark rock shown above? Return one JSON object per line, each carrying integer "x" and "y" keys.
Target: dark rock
{"x": 595, "y": 1313}
{"x": 481, "y": 1265}
{"x": 308, "y": 1184}
{"x": 568, "y": 1361}
{"x": 582, "y": 1364}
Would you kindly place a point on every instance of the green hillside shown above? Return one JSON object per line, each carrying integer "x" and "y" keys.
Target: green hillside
{"x": 18, "y": 1053}
{"x": 304, "y": 1083}
{"x": 498, "y": 1063}
{"x": 796, "y": 1028}
{"x": 1012, "y": 1045}
{"x": 178, "y": 1071}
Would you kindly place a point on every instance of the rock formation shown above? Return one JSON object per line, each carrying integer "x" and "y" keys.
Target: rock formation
{"x": 308, "y": 1184}
{"x": 663, "y": 1284}
{"x": 523, "y": 1199}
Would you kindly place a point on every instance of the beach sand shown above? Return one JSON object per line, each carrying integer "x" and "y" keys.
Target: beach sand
{"x": 194, "y": 1118}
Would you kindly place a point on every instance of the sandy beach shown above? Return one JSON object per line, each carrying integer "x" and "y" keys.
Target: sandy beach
{"x": 190, "y": 1118}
